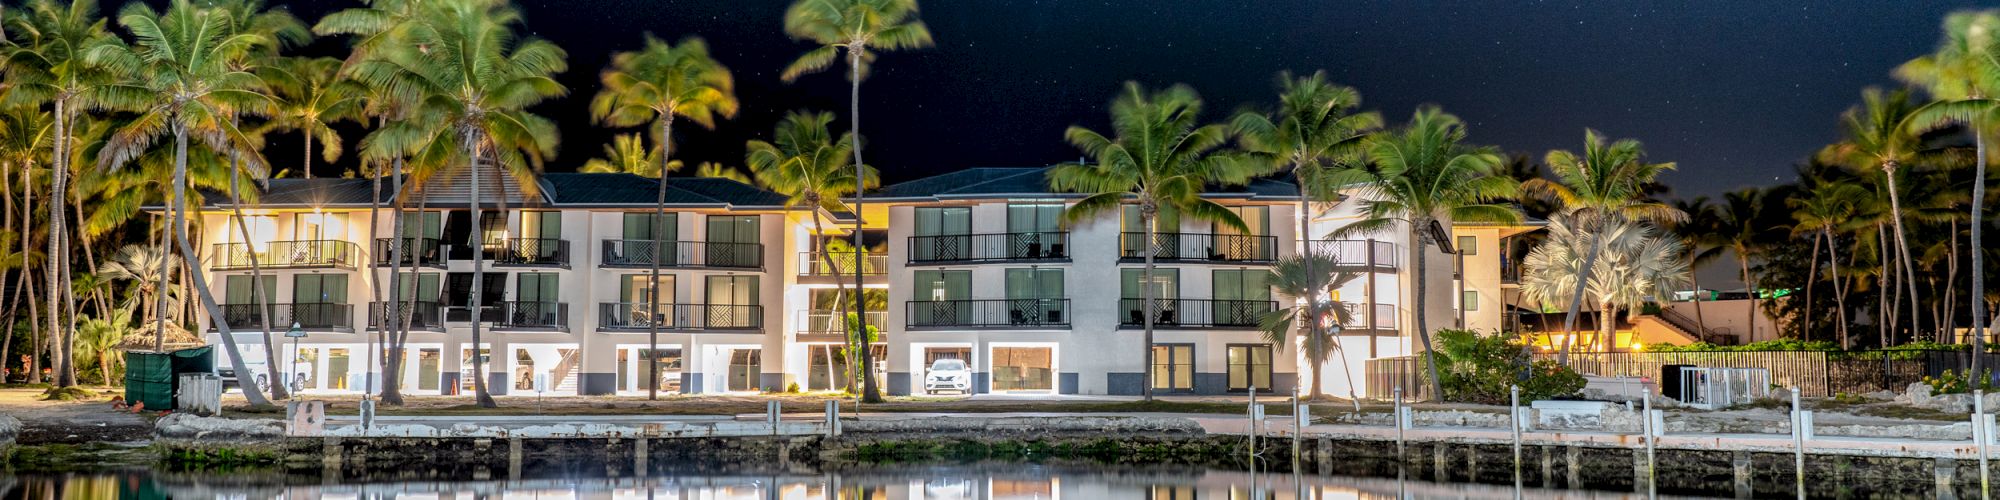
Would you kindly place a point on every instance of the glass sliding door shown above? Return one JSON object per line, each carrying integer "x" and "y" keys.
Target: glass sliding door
{"x": 538, "y": 300}
{"x": 1241, "y": 296}
{"x": 942, "y": 298}
{"x": 319, "y": 300}
{"x": 1035, "y": 297}
{"x": 636, "y": 305}
{"x": 1034, "y": 231}
{"x": 639, "y": 230}
{"x": 1166, "y": 286}
{"x": 1023, "y": 369}
{"x": 1173, "y": 367}
{"x": 732, "y": 241}
{"x": 732, "y": 302}
{"x": 942, "y": 233}
{"x": 1235, "y": 244}
{"x": 1250, "y": 367}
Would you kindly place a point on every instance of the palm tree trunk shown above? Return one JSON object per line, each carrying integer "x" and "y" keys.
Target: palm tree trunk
{"x": 201, "y": 282}
{"x": 1978, "y": 258}
{"x": 479, "y": 393}
{"x": 1948, "y": 322}
{"x": 1812, "y": 271}
{"x": 1903, "y": 246}
{"x": 308, "y": 163}
{"x": 653, "y": 286}
{"x": 7, "y": 226}
{"x": 1839, "y": 287}
{"x": 1743, "y": 260}
{"x": 1423, "y": 240}
{"x": 840, "y": 289}
{"x": 1882, "y": 287}
{"x": 52, "y": 258}
{"x": 381, "y": 321}
{"x": 1147, "y": 213}
{"x": 869, "y": 392}
{"x": 1576, "y": 300}
{"x": 257, "y": 292}
{"x": 399, "y": 347}
{"x": 392, "y": 354}
{"x": 1694, "y": 278}
{"x": 1317, "y": 357}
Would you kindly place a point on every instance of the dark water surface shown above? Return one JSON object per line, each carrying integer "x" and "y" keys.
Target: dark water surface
{"x": 972, "y": 481}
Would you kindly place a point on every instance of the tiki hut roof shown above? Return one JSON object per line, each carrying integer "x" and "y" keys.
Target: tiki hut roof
{"x": 178, "y": 338}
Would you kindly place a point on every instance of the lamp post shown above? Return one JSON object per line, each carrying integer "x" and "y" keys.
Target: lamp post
{"x": 292, "y": 365}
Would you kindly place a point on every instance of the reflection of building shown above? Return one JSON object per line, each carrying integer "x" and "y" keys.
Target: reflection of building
{"x": 976, "y": 265}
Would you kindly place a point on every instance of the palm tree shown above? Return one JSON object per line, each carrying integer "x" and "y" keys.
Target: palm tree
{"x": 1878, "y": 135}
{"x": 1160, "y": 156}
{"x": 628, "y": 154}
{"x": 810, "y": 168}
{"x": 1310, "y": 278}
{"x": 1604, "y": 187}
{"x": 1314, "y": 130}
{"x": 1421, "y": 175}
{"x": 1697, "y": 233}
{"x": 715, "y": 170}
{"x": 184, "y": 83}
{"x": 312, "y": 96}
{"x": 1740, "y": 225}
{"x": 655, "y": 85}
{"x": 1963, "y": 79}
{"x": 459, "y": 61}
{"x": 1826, "y": 208}
{"x": 98, "y": 338}
{"x": 49, "y": 66}
{"x": 24, "y": 131}
{"x": 860, "y": 27}
{"x": 1636, "y": 264}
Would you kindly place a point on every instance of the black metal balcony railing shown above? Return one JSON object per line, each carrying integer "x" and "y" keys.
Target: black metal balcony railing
{"x": 1202, "y": 247}
{"x": 1355, "y": 253}
{"x": 1032, "y": 246}
{"x": 872, "y": 264}
{"x": 1510, "y": 270}
{"x": 533, "y": 315}
{"x": 642, "y": 253}
{"x": 310, "y": 316}
{"x": 427, "y": 316}
{"x": 1194, "y": 313}
{"x": 824, "y": 322}
{"x": 642, "y": 316}
{"x": 425, "y": 252}
{"x": 988, "y": 313}
{"x": 531, "y": 252}
{"x": 288, "y": 254}
{"x": 1385, "y": 317}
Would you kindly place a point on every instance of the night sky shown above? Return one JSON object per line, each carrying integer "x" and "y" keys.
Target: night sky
{"x": 1736, "y": 92}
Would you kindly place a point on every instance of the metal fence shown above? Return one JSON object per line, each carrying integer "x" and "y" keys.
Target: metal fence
{"x": 1815, "y": 373}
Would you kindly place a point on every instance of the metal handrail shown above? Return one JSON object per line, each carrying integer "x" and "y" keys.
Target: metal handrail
{"x": 990, "y": 247}
{"x": 416, "y": 251}
{"x": 987, "y": 313}
{"x": 642, "y": 316}
{"x": 287, "y": 254}
{"x": 533, "y": 315}
{"x": 872, "y": 264}
{"x": 308, "y": 315}
{"x": 533, "y": 252}
{"x": 1199, "y": 247}
{"x": 641, "y": 253}
{"x": 1195, "y": 313}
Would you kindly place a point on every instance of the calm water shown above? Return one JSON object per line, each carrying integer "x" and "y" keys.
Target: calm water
{"x": 992, "y": 481}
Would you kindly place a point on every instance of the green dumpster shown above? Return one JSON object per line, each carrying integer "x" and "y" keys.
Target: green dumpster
{"x": 151, "y": 377}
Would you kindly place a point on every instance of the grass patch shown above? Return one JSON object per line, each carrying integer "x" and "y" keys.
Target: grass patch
{"x": 18, "y": 385}
{"x": 1907, "y": 412}
{"x": 68, "y": 394}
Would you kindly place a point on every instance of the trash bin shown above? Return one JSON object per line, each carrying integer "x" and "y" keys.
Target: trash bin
{"x": 1670, "y": 382}
{"x": 151, "y": 377}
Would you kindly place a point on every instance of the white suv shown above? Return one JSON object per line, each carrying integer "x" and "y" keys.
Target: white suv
{"x": 948, "y": 375}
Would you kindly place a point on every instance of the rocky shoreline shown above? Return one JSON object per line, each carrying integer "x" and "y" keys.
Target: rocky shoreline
{"x": 10, "y": 428}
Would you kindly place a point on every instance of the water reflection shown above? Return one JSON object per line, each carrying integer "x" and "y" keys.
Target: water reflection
{"x": 953, "y": 482}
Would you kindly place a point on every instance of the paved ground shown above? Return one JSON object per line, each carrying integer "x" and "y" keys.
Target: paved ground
{"x": 45, "y": 422}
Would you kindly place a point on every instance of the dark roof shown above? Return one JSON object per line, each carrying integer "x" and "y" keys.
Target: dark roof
{"x": 1002, "y": 181}
{"x": 563, "y": 189}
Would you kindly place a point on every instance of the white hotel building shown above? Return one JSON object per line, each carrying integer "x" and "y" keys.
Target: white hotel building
{"x": 974, "y": 265}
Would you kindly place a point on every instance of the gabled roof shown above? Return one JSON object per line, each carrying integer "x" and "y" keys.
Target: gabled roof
{"x": 303, "y": 193}
{"x": 996, "y": 182}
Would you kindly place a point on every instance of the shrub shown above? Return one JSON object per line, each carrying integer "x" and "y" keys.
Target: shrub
{"x": 1480, "y": 368}
{"x": 1768, "y": 345}
{"x": 1959, "y": 382}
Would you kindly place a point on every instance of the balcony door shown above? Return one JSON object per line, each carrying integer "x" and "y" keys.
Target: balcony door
{"x": 424, "y": 287}
{"x": 458, "y": 296}
{"x": 319, "y": 300}
{"x": 942, "y": 233}
{"x": 636, "y": 304}
{"x": 942, "y": 298}
{"x": 1032, "y": 230}
{"x": 1166, "y": 286}
{"x": 1034, "y": 297}
{"x": 732, "y": 302}
{"x": 239, "y": 304}
{"x": 541, "y": 235}
{"x": 1235, "y": 244}
{"x": 1132, "y": 239}
{"x": 1241, "y": 296}
{"x": 639, "y": 231}
{"x": 537, "y": 299}
{"x": 732, "y": 240}
{"x": 1173, "y": 367}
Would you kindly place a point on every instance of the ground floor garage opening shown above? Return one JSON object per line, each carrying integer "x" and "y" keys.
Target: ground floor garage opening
{"x": 1029, "y": 368}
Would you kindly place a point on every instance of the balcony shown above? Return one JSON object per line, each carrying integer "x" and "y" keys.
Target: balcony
{"x": 1199, "y": 247}
{"x": 824, "y": 323}
{"x": 424, "y": 316}
{"x": 309, "y": 316}
{"x": 998, "y": 247}
{"x": 302, "y": 254}
{"x": 1386, "y": 318}
{"x": 417, "y": 252}
{"x": 530, "y": 252}
{"x": 682, "y": 254}
{"x": 521, "y": 315}
{"x": 1357, "y": 253}
{"x": 989, "y": 313}
{"x": 1194, "y": 313}
{"x": 872, "y": 264}
{"x": 634, "y": 316}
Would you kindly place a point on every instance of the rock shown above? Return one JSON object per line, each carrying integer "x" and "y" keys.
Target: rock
{"x": 188, "y": 426}
{"x": 1781, "y": 394}
{"x": 1918, "y": 394}
{"x": 1883, "y": 395}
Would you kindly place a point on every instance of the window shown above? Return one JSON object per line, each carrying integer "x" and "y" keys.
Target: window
{"x": 541, "y": 225}
{"x": 1257, "y": 217}
{"x": 1242, "y": 284}
{"x": 1249, "y": 366}
{"x": 319, "y": 289}
{"x": 318, "y": 226}
{"x": 635, "y": 288}
{"x": 1470, "y": 302}
{"x": 1034, "y": 217}
{"x": 1128, "y": 221}
{"x": 939, "y": 221}
{"x": 1173, "y": 367}
{"x": 642, "y": 226}
{"x": 745, "y": 365}
{"x": 423, "y": 286}
{"x": 422, "y": 225}
{"x": 536, "y": 287}
{"x": 1468, "y": 245}
{"x": 236, "y": 290}
{"x": 1233, "y": 244}
{"x": 732, "y": 240}
{"x": 263, "y": 229}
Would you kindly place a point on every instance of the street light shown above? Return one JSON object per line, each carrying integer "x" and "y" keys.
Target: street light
{"x": 291, "y": 367}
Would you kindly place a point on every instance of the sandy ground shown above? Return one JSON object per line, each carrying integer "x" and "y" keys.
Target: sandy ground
{"x": 46, "y": 422}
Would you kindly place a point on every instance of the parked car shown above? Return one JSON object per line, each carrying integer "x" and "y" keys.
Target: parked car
{"x": 948, "y": 375}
